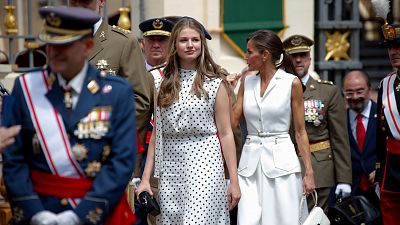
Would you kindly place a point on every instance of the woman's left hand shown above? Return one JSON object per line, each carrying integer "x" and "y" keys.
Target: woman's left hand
{"x": 233, "y": 194}
{"x": 308, "y": 183}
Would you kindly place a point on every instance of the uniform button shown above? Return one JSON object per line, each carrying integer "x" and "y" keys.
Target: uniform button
{"x": 383, "y": 129}
{"x": 329, "y": 156}
{"x": 387, "y": 138}
{"x": 382, "y": 117}
{"x": 64, "y": 202}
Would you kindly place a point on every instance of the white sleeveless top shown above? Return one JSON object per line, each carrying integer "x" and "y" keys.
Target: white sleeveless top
{"x": 270, "y": 113}
{"x": 268, "y": 120}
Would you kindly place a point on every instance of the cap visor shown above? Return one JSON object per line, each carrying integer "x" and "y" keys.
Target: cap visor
{"x": 387, "y": 43}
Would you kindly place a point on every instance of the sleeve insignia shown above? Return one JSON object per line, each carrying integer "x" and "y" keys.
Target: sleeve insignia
{"x": 18, "y": 214}
{"x": 94, "y": 215}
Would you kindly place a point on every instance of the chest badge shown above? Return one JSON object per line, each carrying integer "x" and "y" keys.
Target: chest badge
{"x": 313, "y": 111}
{"x": 95, "y": 125}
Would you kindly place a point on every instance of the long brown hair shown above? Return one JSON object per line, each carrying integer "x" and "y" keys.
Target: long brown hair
{"x": 268, "y": 40}
{"x": 205, "y": 66}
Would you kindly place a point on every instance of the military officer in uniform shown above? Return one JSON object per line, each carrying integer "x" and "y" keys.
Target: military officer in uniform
{"x": 156, "y": 32}
{"x": 75, "y": 153}
{"x": 325, "y": 116}
{"x": 388, "y": 163}
{"x": 120, "y": 51}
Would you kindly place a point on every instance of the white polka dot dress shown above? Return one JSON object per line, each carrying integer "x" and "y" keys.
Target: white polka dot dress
{"x": 192, "y": 188}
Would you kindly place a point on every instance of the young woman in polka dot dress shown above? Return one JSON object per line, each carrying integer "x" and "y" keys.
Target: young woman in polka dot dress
{"x": 269, "y": 169}
{"x": 192, "y": 105}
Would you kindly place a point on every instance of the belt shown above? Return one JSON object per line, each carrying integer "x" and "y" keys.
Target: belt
{"x": 266, "y": 134}
{"x": 393, "y": 146}
{"x": 61, "y": 187}
{"x": 65, "y": 187}
{"x": 314, "y": 147}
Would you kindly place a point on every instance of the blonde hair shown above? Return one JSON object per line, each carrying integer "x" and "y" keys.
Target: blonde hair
{"x": 205, "y": 66}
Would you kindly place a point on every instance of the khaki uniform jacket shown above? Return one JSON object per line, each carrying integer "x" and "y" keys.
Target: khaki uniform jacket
{"x": 124, "y": 56}
{"x": 331, "y": 165}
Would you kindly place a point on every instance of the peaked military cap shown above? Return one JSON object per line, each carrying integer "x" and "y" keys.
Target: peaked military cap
{"x": 66, "y": 24}
{"x": 156, "y": 26}
{"x": 297, "y": 43}
{"x": 391, "y": 34}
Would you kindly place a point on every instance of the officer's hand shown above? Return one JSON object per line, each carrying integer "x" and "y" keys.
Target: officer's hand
{"x": 68, "y": 218}
{"x": 44, "y": 218}
{"x": 7, "y": 136}
{"x": 345, "y": 189}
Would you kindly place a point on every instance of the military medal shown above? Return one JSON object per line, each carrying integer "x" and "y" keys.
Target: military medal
{"x": 106, "y": 152}
{"x": 80, "y": 152}
{"x": 35, "y": 144}
{"x": 313, "y": 112}
{"x": 82, "y": 131}
{"x": 398, "y": 87}
{"x": 50, "y": 79}
{"x": 95, "y": 125}
{"x": 112, "y": 72}
{"x": 92, "y": 169}
{"x": 106, "y": 89}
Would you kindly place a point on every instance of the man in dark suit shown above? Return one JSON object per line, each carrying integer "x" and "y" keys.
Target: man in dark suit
{"x": 75, "y": 153}
{"x": 361, "y": 119}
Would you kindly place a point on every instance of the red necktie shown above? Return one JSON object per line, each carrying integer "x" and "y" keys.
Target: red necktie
{"x": 360, "y": 132}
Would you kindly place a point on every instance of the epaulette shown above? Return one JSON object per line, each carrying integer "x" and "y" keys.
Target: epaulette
{"x": 158, "y": 67}
{"x": 120, "y": 30}
{"x": 325, "y": 82}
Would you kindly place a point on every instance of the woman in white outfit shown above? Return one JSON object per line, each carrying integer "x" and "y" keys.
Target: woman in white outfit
{"x": 269, "y": 170}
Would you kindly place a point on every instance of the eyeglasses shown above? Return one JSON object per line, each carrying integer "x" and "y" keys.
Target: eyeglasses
{"x": 350, "y": 93}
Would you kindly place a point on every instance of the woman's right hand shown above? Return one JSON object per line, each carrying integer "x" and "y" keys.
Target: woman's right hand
{"x": 143, "y": 186}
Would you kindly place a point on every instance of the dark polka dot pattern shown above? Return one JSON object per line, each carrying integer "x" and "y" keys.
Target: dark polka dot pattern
{"x": 192, "y": 184}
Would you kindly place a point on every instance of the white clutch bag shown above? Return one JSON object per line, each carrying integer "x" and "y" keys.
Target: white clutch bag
{"x": 316, "y": 216}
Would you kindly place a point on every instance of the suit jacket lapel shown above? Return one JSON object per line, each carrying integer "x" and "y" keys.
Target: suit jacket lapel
{"x": 353, "y": 142}
{"x": 371, "y": 126}
{"x": 256, "y": 83}
{"x": 56, "y": 98}
{"x": 87, "y": 100}
{"x": 99, "y": 37}
{"x": 272, "y": 83}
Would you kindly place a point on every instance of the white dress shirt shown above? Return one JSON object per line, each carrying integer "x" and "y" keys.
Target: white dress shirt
{"x": 305, "y": 79}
